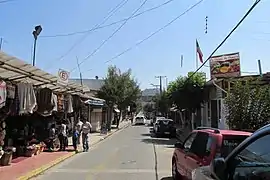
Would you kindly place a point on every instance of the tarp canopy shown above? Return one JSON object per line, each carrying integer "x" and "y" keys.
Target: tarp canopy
{"x": 16, "y": 70}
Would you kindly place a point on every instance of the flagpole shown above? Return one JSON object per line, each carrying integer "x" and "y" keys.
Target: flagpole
{"x": 197, "y": 65}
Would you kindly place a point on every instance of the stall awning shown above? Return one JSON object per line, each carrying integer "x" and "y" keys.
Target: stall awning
{"x": 16, "y": 70}
{"x": 95, "y": 101}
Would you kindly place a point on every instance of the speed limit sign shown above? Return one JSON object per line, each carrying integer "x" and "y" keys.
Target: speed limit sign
{"x": 63, "y": 77}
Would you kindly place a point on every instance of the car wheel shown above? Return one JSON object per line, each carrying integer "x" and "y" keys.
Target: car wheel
{"x": 175, "y": 173}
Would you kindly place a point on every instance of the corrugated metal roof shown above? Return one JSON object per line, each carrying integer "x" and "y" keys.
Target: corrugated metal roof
{"x": 93, "y": 84}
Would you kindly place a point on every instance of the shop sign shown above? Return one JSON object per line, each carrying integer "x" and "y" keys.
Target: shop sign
{"x": 226, "y": 65}
{"x": 94, "y": 102}
{"x": 63, "y": 77}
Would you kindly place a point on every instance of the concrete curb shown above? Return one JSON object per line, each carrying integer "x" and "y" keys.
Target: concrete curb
{"x": 40, "y": 170}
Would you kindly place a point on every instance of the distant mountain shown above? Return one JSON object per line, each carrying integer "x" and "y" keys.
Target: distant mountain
{"x": 150, "y": 92}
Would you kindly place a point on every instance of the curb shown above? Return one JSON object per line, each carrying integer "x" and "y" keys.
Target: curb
{"x": 40, "y": 170}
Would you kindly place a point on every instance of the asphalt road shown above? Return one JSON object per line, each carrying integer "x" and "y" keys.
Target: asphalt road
{"x": 129, "y": 154}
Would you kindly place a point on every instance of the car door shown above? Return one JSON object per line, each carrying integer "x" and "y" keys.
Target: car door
{"x": 181, "y": 153}
{"x": 196, "y": 156}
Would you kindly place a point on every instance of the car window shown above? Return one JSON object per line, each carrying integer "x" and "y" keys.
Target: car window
{"x": 209, "y": 145}
{"x": 199, "y": 144}
{"x": 254, "y": 161}
{"x": 230, "y": 142}
{"x": 189, "y": 140}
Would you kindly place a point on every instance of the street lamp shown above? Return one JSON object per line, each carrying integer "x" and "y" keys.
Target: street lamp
{"x": 36, "y": 33}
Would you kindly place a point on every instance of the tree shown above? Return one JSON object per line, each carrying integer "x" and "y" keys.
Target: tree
{"x": 119, "y": 89}
{"x": 148, "y": 109}
{"x": 248, "y": 105}
{"x": 186, "y": 92}
{"x": 162, "y": 103}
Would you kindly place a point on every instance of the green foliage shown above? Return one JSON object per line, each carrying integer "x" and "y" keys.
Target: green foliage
{"x": 119, "y": 88}
{"x": 162, "y": 102}
{"x": 187, "y": 92}
{"x": 248, "y": 106}
{"x": 148, "y": 108}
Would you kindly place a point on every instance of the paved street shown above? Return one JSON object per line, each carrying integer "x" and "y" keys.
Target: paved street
{"x": 129, "y": 154}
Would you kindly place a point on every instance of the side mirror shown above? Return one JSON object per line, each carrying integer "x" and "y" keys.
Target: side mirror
{"x": 218, "y": 166}
{"x": 178, "y": 145}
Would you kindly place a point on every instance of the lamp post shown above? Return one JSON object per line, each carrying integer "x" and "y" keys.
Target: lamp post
{"x": 35, "y": 33}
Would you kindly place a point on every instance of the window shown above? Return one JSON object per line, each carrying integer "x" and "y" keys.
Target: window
{"x": 189, "y": 140}
{"x": 198, "y": 146}
{"x": 229, "y": 143}
{"x": 209, "y": 144}
{"x": 253, "y": 162}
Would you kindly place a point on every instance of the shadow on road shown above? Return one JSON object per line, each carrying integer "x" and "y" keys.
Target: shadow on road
{"x": 159, "y": 141}
{"x": 147, "y": 134}
{"x": 166, "y": 178}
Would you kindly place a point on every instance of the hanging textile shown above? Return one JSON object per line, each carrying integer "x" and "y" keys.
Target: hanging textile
{"x": 54, "y": 96}
{"x": 76, "y": 102}
{"x": 45, "y": 101}
{"x": 27, "y": 98}
{"x": 68, "y": 103}
{"x": 11, "y": 91}
{"x": 3, "y": 93}
{"x": 60, "y": 102}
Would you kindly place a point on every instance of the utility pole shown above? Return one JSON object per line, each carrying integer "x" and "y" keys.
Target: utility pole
{"x": 78, "y": 64}
{"x": 1, "y": 42}
{"x": 160, "y": 82}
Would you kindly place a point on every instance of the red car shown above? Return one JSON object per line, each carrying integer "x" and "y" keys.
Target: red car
{"x": 202, "y": 146}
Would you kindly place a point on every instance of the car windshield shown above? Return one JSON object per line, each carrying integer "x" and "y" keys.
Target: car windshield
{"x": 229, "y": 143}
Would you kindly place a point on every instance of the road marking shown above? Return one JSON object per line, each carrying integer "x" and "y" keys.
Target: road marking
{"x": 120, "y": 171}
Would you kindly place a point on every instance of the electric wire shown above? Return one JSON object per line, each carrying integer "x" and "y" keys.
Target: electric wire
{"x": 156, "y": 32}
{"x": 106, "y": 40}
{"x": 108, "y": 25}
{"x": 225, "y": 39}
{"x": 109, "y": 15}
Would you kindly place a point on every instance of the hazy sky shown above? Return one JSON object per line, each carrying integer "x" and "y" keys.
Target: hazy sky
{"x": 159, "y": 55}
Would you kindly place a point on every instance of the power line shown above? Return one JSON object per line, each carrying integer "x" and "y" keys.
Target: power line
{"x": 156, "y": 32}
{"x": 118, "y": 29}
{"x": 6, "y": 1}
{"x": 225, "y": 39}
{"x": 109, "y": 14}
{"x": 108, "y": 25}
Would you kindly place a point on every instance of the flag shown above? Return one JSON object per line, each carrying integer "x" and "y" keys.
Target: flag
{"x": 198, "y": 49}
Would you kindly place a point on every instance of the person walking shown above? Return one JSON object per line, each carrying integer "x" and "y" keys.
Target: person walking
{"x": 63, "y": 136}
{"x": 79, "y": 129}
{"x": 86, "y": 129}
{"x": 75, "y": 137}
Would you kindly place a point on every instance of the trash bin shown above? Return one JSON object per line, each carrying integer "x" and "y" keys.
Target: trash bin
{"x": 6, "y": 158}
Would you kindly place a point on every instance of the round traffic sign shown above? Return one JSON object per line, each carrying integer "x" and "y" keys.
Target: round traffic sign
{"x": 63, "y": 75}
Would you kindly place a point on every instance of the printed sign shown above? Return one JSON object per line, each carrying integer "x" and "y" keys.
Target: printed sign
{"x": 63, "y": 77}
{"x": 227, "y": 65}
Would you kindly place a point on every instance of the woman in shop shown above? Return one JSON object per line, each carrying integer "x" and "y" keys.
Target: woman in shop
{"x": 63, "y": 136}
{"x": 52, "y": 133}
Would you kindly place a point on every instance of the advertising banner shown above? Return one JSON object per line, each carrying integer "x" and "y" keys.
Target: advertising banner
{"x": 226, "y": 65}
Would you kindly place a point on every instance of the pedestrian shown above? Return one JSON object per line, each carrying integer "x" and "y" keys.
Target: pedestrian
{"x": 86, "y": 129}
{"x": 52, "y": 132}
{"x": 79, "y": 128}
{"x": 75, "y": 137}
{"x": 63, "y": 136}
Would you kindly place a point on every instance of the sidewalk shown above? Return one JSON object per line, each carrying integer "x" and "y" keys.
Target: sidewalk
{"x": 24, "y": 168}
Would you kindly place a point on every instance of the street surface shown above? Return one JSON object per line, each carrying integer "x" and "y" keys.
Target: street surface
{"x": 130, "y": 154}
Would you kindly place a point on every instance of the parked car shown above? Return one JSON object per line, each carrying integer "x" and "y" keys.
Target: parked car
{"x": 249, "y": 160}
{"x": 139, "y": 120}
{"x": 164, "y": 127}
{"x": 155, "y": 119}
{"x": 202, "y": 146}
